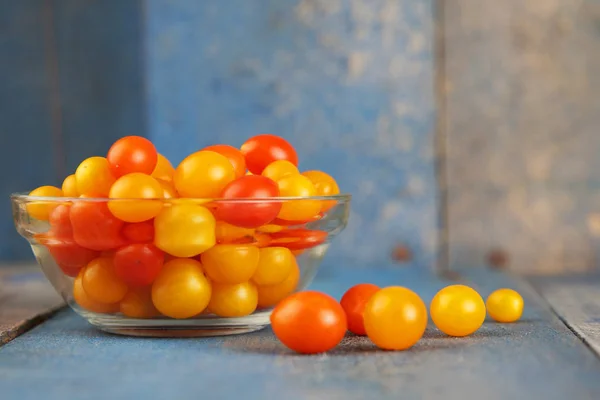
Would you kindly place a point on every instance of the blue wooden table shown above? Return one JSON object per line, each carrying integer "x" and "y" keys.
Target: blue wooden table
{"x": 538, "y": 357}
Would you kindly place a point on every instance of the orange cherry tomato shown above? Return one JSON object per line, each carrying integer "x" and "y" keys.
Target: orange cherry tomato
{"x": 283, "y": 222}
{"x": 353, "y": 302}
{"x": 309, "y": 322}
{"x": 269, "y": 295}
{"x": 230, "y": 263}
{"x": 95, "y": 227}
{"x": 139, "y": 232}
{"x": 69, "y": 186}
{"x": 137, "y": 303}
{"x": 101, "y": 282}
{"x": 233, "y": 300}
{"x": 234, "y": 155}
{"x": 135, "y": 186}
{"x": 138, "y": 264}
{"x": 164, "y": 169}
{"x": 60, "y": 221}
{"x": 298, "y": 239}
{"x": 86, "y": 302}
{"x": 132, "y": 154}
{"x": 274, "y": 265}
{"x": 261, "y": 150}
{"x": 395, "y": 318}
{"x": 67, "y": 254}
{"x": 297, "y": 210}
{"x": 40, "y": 210}
{"x": 94, "y": 176}
{"x": 278, "y": 169}
{"x": 325, "y": 185}
{"x": 203, "y": 174}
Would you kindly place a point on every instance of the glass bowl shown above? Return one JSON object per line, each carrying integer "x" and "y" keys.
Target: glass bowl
{"x": 83, "y": 248}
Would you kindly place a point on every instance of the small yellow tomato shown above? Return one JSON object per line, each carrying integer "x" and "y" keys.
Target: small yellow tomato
{"x": 184, "y": 230}
{"x": 395, "y": 318}
{"x": 41, "y": 209}
{"x": 93, "y": 175}
{"x": 137, "y": 303}
{"x": 181, "y": 290}
{"x": 233, "y": 300}
{"x": 457, "y": 310}
{"x": 203, "y": 174}
{"x": 505, "y": 305}
{"x": 325, "y": 186}
{"x": 278, "y": 169}
{"x": 69, "y": 186}
{"x": 275, "y": 264}
{"x": 135, "y": 186}
{"x": 270, "y": 295}
{"x": 230, "y": 263}
{"x": 101, "y": 282}
{"x": 86, "y": 302}
{"x": 164, "y": 169}
{"x": 297, "y": 210}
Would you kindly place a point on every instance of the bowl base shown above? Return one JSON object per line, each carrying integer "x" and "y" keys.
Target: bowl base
{"x": 180, "y": 333}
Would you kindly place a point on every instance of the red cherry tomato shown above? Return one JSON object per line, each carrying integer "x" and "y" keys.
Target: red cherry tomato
{"x": 132, "y": 154}
{"x": 297, "y": 239}
{"x": 309, "y": 322}
{"x": 249, "y": 214}
{"x": 138, "y": 264}
{"x": 353, "y": 302}
{"x": 60, "y": 221}
{"x": 139, "y": 232}
{"x": 95, "y": 227}
{"x": 236, "y": 158}
{"x": 262, "y": 150}
{"x": 67, "y": 254}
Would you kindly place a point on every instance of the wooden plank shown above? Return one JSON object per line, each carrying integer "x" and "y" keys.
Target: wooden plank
{"x": 538, "y": 357}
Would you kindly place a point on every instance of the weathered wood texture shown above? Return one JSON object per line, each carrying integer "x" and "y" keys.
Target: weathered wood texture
{"x": 520, "y": 114}
{"x": 536, "y": 358}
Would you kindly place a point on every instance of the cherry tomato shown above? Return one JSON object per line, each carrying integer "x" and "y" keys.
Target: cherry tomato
{"x": 325, "y": 185}
{"x": 203, "y": 174}
{"x": 234, "y": 155}
{"x": 139, "y": 232}
{"x": 94, "y": 226}
{"x": 457, "y": 310}
{"x": 163, "y": 170}
{"x": 353, "y": 302}
{"x": 274, "y": 265}
{"x": 269, "y": 228}
{"x": 249, "y": 214}
{"x": 101, "y": 282}
{"x": 184, "y": 230}
{"x": 60, "y": 221}
{"x": 297, "y": 210}
{"x": 227, "y": 233}
{"x": 138, "y": 264}
{"x": 93, "y": 175}
{"x": 67, "y": 254}
{"x": 278, "y": 169}
{"x": 395, "y": 318}
{"x": 132, "y": 154}
{"x": 41, "y": 209}
{"x": 69, "y": 186}
{"x": 269, "y": 295}
{"x": 230, "y": 263}
{"x": 86, "y": 302}
{"x": 261, "y": 150}
{"x": 137, "y": 303}
{"x": 169, "y": 191}
{"x": 298, "y": 239}
{"x": 135, "y": 186}
{"x": 505, "y": 305}
{"x": 181, "y": 290}
{"x": 309, "y": 322}
{"x": 233, "y": 300}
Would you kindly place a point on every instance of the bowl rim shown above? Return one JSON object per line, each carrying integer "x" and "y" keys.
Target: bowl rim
{"x": 25, "y": 197}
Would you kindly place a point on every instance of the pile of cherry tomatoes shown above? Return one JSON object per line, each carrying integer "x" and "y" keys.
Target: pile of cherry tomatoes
{"x": 155, "y": 240}
{"x": 394, "y": 318}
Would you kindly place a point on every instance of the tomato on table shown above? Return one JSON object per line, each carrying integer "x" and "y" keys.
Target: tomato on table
{"x": 135, "y": 186}
{"x": 203, "y": 174}
{"x": 234, "y": 155}
{"x": 233, "y": 300}
{"x": 101, "y": 282}
{"x": 137, "y": 303}
{"x": 249, "y": 214}
{"x": 274, "y": 265}
{"x": 86, "y": 302}
{"x": 269, "y": 295}
{"x": 298, "y": 239}
{"x": 139, "y": 232}
{"x": 94, "y": 226}
{"x": 132, "y": 154}
{"x": 40, "y": 210}
{"x": 69, "y": 186}
{"x": 278, "y": 169}
{"x": 164, "y": 170}
{"x": 353, "y": 302}
{"x": 297, "y": 210}
{"x": 138, "y": 264}
{"x": 457, "y": 310}
{"x": 504, "y": 305}
{"x": 309, "y": 322}
{"x": 262, "y": 150}
{"x": 94, "y": 176}
{"x": 395, "y": 318}
{"x": 230, "y": 263}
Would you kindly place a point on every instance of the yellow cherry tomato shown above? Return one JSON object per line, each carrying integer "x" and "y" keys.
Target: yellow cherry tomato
{"x": 230, "y": 263}
{"x": 275, "y": 264}
{"x": 86, "y": 302}
{"x": 164, "y": 169}
{"x": 69, "y": 186}
{"x": 203, "y": 174}
{"x": 297, "y": 210}
{"x": 181, "y": 290}
{"x": 184, "y": 230}
{"x": 505, "y": 305}
{"x": 278, "y": 169}
{"x": 41, "y": 209}
{"x": 395, "y": 318}
{"x": 457, "y": 310}
{"x": 270, "y": 295}
{"x": 233, "y": 300}
{"x": 227, "y": 233}
{"x": 93, "y": 175}
{"x": 325, "y": 186}
{"x": 137, "y": 303}
{"x": 135, "y": 186}
{"x": 101, "y": 282}
{"x": 169, "y": 191}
